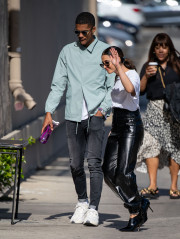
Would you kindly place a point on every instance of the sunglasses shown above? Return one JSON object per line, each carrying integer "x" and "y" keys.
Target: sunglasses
{"x": 85, "y": 32}
{"x": 105, "y": 63}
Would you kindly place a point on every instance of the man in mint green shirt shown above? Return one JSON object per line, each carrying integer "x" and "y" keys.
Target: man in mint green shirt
{"x": 88, "y": 100}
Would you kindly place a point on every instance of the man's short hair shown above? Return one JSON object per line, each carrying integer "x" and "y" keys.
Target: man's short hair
{"x": 85, "y": 18}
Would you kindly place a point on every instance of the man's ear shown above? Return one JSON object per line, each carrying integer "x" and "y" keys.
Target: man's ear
{"x": 93, "y": 29}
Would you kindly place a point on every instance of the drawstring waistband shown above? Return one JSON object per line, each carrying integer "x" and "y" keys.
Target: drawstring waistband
{"x": 87, "y": 126}
{"x": 76, "y": 128}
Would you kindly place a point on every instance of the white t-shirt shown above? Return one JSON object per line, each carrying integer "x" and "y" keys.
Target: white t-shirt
{"x": 121, "y": 98}
{"x": 84, "y": 110}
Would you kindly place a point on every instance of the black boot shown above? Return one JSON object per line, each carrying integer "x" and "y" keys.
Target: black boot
{"x": 133, "y": 224}
{"x": 145, "y": 204}
{"x": 134, "y": 208}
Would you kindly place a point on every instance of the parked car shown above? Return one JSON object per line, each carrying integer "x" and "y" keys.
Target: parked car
{"x": 127, "y": 10}
{"x": 161, "y": 12}
{"x": 119, "y": 24}
{"x": 115, "y": 37}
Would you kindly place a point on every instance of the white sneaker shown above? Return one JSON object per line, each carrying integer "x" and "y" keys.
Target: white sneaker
{"x": 91, "y": 218}
{"x": 80, "y": 211}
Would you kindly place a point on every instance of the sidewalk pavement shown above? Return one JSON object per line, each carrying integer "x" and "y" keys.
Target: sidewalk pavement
{"x": 47, "y": 201}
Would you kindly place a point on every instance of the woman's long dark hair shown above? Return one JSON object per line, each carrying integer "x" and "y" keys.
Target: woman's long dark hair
{"x": 127, "y": 63}
{"x": 163, "y": 39}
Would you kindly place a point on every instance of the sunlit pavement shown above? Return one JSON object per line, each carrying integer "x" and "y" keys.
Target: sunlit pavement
{"x": 47, "y": 201}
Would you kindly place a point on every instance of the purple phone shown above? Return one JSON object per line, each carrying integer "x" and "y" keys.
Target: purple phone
{"x": 47, "y": 132}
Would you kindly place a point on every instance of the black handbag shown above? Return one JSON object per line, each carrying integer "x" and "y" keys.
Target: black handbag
{"x": 172, "y": 98}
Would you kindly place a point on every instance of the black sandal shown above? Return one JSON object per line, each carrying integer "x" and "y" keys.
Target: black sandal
{"x": 150, "y": 193}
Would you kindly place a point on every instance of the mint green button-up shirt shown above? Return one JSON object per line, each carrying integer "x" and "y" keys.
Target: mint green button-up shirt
{"x": 79, "y": 72}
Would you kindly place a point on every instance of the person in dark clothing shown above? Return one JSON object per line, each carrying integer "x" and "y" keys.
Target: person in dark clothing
{"x": 125, "y": 137}
{"x": 161, "y": 144}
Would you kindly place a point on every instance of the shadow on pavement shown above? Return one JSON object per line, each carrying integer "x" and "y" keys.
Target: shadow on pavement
{"x": 56, "y": 216}
{"x": 5, "y": 214}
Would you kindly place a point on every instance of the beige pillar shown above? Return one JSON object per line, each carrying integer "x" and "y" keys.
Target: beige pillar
{"x": 91, "y": 6}
{"x": 15, "y": 82}
{"x": 93, "y": 9}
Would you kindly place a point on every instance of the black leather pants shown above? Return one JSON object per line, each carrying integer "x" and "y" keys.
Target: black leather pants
{"x": 121, "y": 155}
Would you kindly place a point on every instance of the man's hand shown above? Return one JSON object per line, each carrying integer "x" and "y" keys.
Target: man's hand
{"x": 99, "y": 114}
{"x": 47, "y": 121}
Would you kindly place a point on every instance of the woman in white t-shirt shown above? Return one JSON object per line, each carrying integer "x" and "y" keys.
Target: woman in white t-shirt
{"x": 125, "y": 137}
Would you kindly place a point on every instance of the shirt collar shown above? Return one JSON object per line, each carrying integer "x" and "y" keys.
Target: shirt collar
{"x": 90, "y": 48}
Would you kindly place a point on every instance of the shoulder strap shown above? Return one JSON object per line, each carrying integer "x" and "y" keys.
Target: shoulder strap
{"x": 161, "y": 77}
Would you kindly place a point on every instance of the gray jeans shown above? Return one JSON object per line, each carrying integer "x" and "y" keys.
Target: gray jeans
{"x": 87, "y": 134}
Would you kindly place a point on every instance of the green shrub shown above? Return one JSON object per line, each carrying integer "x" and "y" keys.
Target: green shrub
{"x": 7, "y": 166}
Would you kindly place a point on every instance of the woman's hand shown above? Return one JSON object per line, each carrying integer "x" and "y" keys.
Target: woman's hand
{"x": 150, "y": 71}
{"x": 120, "y": 71}
{"x": 115, "y": 59}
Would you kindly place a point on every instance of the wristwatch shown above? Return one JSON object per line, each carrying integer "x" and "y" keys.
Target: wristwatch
{"x": 102, "y": 111}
